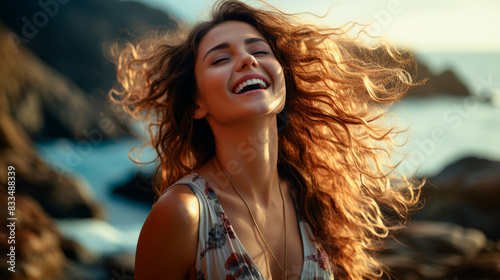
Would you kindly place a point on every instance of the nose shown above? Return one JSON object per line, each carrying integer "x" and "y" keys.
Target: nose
{"x": 247, "y": 61}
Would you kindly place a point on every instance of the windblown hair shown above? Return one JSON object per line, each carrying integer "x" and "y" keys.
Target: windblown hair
{"x": 334, "y": 151}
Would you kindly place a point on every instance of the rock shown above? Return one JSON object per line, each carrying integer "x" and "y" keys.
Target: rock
{"x": 444, "y": 238}
{"x": 48, "y": 105}
{"x": 426, "y": 250}
{"x": 466, "y": 193}
{"x": 445, "y": 83}
{"x": 484, "y": 267}
{"x": 77, "y": 271}
{"x": 448, "y": 238}
{"x": 37, "y": 242}
{"x": 74, "y": 251}
{"x": 403, "y": 267}
{"x": 138, "y": 188}
{"x": 75, "y": 38}
{"x": 42, "y": 253}
{"x": 59, "y": 195}
{"x": 120, "y": 266}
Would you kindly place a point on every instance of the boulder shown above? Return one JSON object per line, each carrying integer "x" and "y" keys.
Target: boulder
{"x": 38, "y": 255}
{"x": 77, "y": 34}
{"x": 466, "y": 193}
{"x": 456, "y": 234}
{"x": 120, "y": 266}
{"x": 442, "y": 238}
{"x": 75, "y": 252}
{"x": 138, "y": 188}
{"x": 445, "y": 83}
{"x": 42, "y": 253}
{"x": 48, "y": 105}
{"x": 427, "y": 250}
{"x": 59, "y": 195}
{"x": 484, "y": 267}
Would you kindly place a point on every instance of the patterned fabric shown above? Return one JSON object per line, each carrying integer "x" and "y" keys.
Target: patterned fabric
{"x": 222, "y": 256}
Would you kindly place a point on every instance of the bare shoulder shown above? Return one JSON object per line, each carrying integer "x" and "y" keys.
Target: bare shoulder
{"x": 168, "y": 241}
{"x": 180, "y": 200}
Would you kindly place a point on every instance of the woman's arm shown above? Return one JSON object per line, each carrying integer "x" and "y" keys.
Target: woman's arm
{"x": 168, "y": 241}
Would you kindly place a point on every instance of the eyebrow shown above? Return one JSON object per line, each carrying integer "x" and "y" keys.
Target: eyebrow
{"x": 226, "y": 45}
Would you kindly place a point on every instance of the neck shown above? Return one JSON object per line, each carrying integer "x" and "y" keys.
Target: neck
{"x": 248, "y": 154}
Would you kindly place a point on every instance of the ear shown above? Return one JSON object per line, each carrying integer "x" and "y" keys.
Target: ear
{"x": 199, "y": 112}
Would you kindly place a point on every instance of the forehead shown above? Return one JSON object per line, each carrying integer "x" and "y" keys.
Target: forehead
{"x": 228, "y": 32}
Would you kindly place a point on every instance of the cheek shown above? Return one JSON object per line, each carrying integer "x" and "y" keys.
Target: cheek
{"x": 276, "y": 68}
{"x": 215, "y": 76}
{"x": 279, "y": 74}
{"x": 211, "y": 83}
{"x": 203, "y": 77}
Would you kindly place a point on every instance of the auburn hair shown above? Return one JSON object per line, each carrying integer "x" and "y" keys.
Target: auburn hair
{"x": 334, "y": 150}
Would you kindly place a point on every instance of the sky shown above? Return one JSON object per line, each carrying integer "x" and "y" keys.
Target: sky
{"x": 423, "y": 25}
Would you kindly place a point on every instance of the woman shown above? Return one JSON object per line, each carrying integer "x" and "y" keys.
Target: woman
{"x": 270, "y": 157}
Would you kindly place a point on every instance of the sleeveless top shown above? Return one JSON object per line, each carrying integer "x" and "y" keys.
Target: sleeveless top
{"x": 220, "y": 253}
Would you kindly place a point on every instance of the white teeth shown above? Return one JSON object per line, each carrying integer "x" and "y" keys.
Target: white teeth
{"x": 240, "y": 87}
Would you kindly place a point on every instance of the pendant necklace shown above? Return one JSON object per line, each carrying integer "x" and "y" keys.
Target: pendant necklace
{"x": 283, "y": 271}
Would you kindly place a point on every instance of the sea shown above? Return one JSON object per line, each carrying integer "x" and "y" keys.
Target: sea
{"x": 442, "y": 130}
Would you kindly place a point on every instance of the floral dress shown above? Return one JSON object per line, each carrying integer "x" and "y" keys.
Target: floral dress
{"x": 221, "y": 255}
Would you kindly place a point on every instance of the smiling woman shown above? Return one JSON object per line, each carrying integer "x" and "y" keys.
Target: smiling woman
{"x": 270, "y": 162}
{"x": 234, "y": 58}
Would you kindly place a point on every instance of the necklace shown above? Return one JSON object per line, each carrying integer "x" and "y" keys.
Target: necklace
{"x": 283, "y": 271}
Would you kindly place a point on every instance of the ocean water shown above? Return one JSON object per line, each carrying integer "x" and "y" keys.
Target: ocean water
{"x": 102, "y": 166}
{"x": 445, "y": 129}
{"x": 442, "y": 130}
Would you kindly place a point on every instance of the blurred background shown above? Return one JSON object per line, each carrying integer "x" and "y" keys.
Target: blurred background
{"x": 78, "y": 201}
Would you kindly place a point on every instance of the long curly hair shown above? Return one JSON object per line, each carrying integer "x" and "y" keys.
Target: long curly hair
{"x": 334, "y": 150}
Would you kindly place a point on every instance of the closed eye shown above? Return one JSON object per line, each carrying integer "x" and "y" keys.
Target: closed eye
{"x": 219, "y": 60}
{"x": 260, "y": 52}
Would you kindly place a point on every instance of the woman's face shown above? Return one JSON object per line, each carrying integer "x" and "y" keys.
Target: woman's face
{"x": 238, "y": 77}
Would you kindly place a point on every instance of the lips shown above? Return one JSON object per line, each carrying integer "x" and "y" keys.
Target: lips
{"x": 250, "y": 82}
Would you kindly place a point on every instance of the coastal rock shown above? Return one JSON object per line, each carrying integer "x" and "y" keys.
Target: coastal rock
{"x": 442, "y": 238}
{"x": 75, "y": 252}
{"x": 138, "y": 188}
{"x": 484, "y": 267}
{"x": 456, "y": 234}
{"x": 59, "y": 195}
{"x": 427, "y": 250}
{"x": 120, "y": 266}
{"x": 38, "y": 255}
{"x": 445, "y": 83}
{"x": 80, "y": 263}
{"x": 48, "y": 105}
{"x": 76, "y": 35}
{"x": 466, "y": 193}
{"x": 42, "y": 253}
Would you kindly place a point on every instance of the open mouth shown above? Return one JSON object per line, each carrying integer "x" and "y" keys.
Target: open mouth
{"x": 250, "y": 84}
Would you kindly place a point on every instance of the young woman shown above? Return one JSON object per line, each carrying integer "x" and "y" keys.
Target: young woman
{"x": 270, "y": 157}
